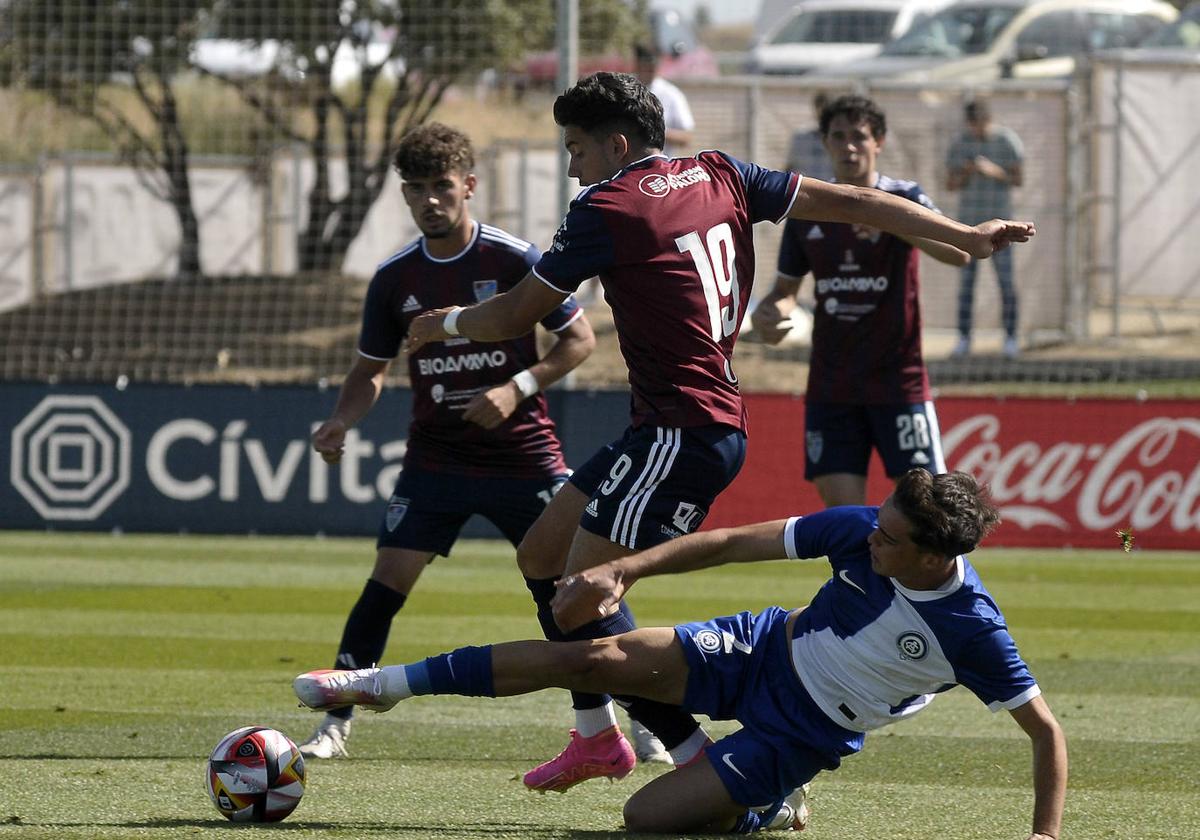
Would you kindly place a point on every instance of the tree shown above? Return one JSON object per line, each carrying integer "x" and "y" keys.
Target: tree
{"x": 85, "y": 54}
{"x": 408, "y": 53}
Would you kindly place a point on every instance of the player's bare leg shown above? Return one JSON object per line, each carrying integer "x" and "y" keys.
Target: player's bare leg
{"x": 688, "y": 799}
{"x": 842, "y": 489}
{"x": 543, "y": 551}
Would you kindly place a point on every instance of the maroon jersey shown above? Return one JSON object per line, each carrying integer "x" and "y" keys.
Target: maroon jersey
{"x": 447, "y": 375}
{"x": 672, "y": 243}
{"x": 866, "y": 342}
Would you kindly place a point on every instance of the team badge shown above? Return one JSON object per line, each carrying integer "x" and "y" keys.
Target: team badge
{"x": 438, "y": 392}
{"x": 708, "y": 641}
{"x": 485, "y": 289}
{"x": 396, "y": 509}
{"x": 912, "y": 645}
{"x": 814, "y": 443}
{"x": 688, "y": 517}
{"x": 655, "y": 186}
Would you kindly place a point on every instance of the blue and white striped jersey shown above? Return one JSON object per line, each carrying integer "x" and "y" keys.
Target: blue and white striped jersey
{"x": 871, "y": 651}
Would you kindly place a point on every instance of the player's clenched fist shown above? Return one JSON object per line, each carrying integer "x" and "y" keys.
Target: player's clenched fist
{"x": 427, "y": 327}
{"x": 329, "y": 439}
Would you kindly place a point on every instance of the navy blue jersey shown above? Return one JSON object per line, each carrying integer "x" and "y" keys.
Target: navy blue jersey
{"x": 672, "y": 242}
{"x": 871, "y": 651}
{"x": 447, "y": 375}
{"x": 866, "y": 342}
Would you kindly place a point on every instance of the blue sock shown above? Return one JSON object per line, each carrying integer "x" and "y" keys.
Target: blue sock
{"x": 543, "y": 590}
{"x": 466, "y": 671}
{"x": 748, "y": 823}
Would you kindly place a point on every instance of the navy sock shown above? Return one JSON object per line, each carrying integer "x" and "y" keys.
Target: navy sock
{"x": 671, "y": 724}
{"x": 366, "y": 631}
{"x": 543, "y": 590}
{"x": 466, "y": 671}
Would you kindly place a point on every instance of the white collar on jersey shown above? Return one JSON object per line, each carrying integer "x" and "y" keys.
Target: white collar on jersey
{"x": 948, "y": 588}
{"x": 470, "y": 245}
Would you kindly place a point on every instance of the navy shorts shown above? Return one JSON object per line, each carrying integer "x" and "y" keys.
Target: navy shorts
{"x": 428, "y": 509}
{"x": 839, "y": 438}
{"x": 656, "y": 483}
{"x": 740, "y": 668}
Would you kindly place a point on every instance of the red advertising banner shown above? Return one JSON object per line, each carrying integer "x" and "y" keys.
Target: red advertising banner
{"x": 1064, "y": 473}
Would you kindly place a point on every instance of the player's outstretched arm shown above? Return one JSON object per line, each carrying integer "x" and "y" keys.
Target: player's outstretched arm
{"x": 504, "y": 316}
{"x": 358, "y": 394}
{"x": 595, "y": 592}
{"x": 1049, "y": 766}
{"x": 573, "y": 344}
{"x": 821, "y": 201}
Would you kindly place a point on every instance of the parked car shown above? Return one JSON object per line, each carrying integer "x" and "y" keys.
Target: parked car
{"x": 1184, "y": 33}
{"x": 823, "y": 32}
{"x": 982, "y": 40}
{"x": 682, "y": 56}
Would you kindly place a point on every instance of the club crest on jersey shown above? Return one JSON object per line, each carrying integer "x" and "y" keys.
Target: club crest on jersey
{"x": 396, "y": 509}
{"x": 912, "y": 645}
{"x": 708, "y": 641}
{"x": 814, "y": 443}
{"x": 485, "y": 289}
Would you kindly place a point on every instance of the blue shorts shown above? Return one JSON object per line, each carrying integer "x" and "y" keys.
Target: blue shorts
{"x": 740, "y": 668}
{"x": 428, "y": 509}
{"x": 839, "y": 438}
{"x": 656, "y": 483}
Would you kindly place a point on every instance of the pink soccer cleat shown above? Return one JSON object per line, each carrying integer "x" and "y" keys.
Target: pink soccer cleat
{"x": 606, "y": 754}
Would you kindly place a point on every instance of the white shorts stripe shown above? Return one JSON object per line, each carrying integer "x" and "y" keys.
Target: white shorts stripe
{"x": 672, "y": 451}
{"x": 935, "y": 440}
{"x": 658, "y": 462}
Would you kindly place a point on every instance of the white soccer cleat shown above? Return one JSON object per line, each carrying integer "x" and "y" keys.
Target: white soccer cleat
{"x": 333, "y": 689}
{"x": 328, "y": 739}
{"x": 793, "y": 814}
{"x": 647, "y": 747}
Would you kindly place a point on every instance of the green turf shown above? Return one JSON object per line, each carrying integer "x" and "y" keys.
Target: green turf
{"x": 124, "y": 659}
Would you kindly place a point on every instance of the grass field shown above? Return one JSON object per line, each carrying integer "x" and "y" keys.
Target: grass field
{"x": 125, "y": 659}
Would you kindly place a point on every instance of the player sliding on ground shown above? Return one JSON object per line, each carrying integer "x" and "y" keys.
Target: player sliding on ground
{"x": 904, "y": 618}
{"x": 672, "y": 242}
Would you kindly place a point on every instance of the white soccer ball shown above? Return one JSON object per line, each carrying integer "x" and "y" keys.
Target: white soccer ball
{"x": 256, "y": 774}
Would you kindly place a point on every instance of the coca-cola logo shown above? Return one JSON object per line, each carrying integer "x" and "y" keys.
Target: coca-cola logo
{"x": 1148, "y": 475}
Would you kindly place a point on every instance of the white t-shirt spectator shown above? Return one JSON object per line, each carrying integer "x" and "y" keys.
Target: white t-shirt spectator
{"x": 677, "y": 114}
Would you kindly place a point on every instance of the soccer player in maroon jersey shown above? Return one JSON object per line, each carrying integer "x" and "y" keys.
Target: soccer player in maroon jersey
{"x": 480, "y": 440}
{"x": 868, "y": 387}
{"x": 671, "y": 240}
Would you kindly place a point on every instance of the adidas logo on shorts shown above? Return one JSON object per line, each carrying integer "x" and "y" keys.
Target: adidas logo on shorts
{"x": 411, "y": 304}
{"x": 593, "y": 508}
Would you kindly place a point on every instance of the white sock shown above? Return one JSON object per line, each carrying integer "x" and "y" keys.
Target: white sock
{"x": 591, "y": 722}
{"x": 690, "y": 748}
{"x": 395, "y": 682}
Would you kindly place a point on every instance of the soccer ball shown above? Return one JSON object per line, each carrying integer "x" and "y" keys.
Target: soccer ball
{"x": 255, "y": 774}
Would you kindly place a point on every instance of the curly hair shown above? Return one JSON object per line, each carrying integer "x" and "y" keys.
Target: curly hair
{"x": 432, "y": 149}
{"x": 855, "y": 109}
{"x": 605, "y": 102}
{"x": 950, "y": 513}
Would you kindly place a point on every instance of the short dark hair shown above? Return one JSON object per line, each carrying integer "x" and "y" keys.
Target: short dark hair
{"x": 950, "y": 513}
{"x": 855, "y": 109}
{"x": 605, "y": 102}
{"x": 433, "y": 149}
{"x": 978, "y": 110}
{"x": 645, "y": 54}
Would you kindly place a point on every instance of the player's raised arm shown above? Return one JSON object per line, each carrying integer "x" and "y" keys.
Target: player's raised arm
{"x": 821, "y": 201}
{"x": 596, "y": 591}
{"x": 1049, "y": 766}
{"x": 507, "y": 315}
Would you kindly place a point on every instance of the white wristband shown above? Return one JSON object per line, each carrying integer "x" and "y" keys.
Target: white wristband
{"x": 526, "y": 383}
{"x": 450, "y": 322}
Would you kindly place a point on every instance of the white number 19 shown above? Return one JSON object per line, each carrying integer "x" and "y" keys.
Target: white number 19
{"x": 714, "y": 259}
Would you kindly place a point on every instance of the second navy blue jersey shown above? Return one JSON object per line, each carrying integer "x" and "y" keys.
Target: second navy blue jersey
{"x": 871, "y": 651}
{"x": 447, "y": 375}
{"x": 866, "y": 342}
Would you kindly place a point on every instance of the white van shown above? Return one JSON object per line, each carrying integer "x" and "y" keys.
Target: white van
{"x": 977, "y": 41}
{"x": 816, "y": 33}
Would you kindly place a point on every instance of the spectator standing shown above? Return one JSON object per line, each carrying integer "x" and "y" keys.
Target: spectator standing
{"x": 677, "y": 114}
{"x": 985, "y": 163}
